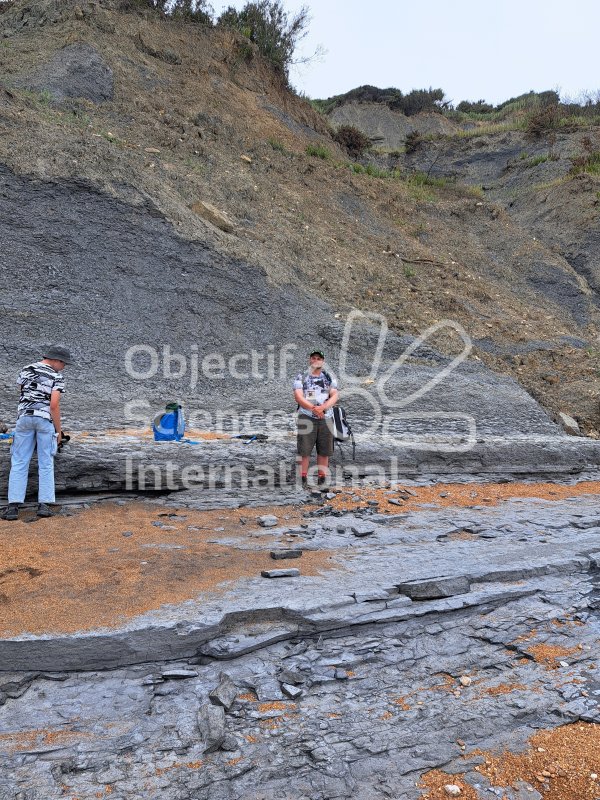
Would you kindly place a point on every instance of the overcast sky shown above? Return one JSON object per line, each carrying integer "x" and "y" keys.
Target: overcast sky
{"x": 471, "y": 49}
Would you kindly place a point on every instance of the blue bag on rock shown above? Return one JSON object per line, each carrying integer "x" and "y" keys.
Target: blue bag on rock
{"x": 169, "y": 426}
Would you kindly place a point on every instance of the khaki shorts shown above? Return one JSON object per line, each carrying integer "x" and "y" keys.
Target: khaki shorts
{"x": 313, "y": 432}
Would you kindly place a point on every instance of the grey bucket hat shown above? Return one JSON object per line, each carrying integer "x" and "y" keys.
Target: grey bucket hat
{"x": 58, "y": 353}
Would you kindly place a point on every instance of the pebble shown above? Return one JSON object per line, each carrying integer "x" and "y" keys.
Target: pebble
{"x": 267, "y": 521}
{"x": 452, "y": 790}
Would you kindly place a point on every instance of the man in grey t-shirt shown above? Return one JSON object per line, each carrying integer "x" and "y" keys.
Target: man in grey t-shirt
{"x": 38, "y": 426}
{"x": 316, "y": 393}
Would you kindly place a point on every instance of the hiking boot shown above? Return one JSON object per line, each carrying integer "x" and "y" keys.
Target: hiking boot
{"x": 323, "y": 482}
{"x": 304, "y": 482}
{"x": 12, "y": 512}
{"x": 44, "y": 511}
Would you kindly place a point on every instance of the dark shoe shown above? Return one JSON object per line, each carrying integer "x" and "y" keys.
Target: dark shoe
{"x": 323, "y": 481}
{"x": 12, "y": 512}
{"x": 304, "y": 482}
{"x": 44, "y": 511}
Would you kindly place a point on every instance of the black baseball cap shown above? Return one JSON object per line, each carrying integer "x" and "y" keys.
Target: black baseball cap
{"x": 316, "y": 353}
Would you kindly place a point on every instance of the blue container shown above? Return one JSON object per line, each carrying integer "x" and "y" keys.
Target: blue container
{"x": 170, "y": 425}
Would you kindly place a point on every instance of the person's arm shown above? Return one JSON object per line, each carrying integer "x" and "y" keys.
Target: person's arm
{"x": 330, "y": 402}
{"x": 55, "y": 412}
{"x": 304, "y": 403}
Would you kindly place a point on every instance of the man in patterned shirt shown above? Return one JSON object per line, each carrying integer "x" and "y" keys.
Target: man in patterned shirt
{"x": 316, "y": 394}
{"x": 38, "y": 424}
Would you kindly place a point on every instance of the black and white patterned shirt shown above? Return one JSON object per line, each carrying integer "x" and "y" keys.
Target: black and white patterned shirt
{"x": 37, "y": 382}
{"x": 316, "y": 389}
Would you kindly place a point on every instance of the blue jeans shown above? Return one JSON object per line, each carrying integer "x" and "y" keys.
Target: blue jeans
{"x": 30, "y": 431}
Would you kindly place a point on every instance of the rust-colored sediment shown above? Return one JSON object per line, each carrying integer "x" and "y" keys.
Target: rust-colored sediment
{"x": 561, "y": 764}
{"x": 77, "y": 573}
{"x": 463, "y": 495}
{"x": 144, "y": 434}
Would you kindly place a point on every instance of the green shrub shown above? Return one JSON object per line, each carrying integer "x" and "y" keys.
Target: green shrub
{"x": 413, "y": 141}
{"x": 267, "y": 25}
{"x": 192, "y": 11}
{"x": 376, "y": 172}
{"x": 357, "y": 169}
{"x": 423, "y": 179}
{"x": 412, "y": 103}
{"x": 276, "y": 145}
{"x": 543, "y": 122}
{"x": 353, "y": 140}
{"x": 535, "y": 161}
{"x": 479, "y": 107}
{"x": 189, "y": 10}
{"x": 590, "y": 162}
{"x": 318, "y": 151}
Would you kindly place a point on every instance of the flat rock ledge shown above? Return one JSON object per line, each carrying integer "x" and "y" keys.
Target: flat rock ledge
{"x": 112, "y": 463}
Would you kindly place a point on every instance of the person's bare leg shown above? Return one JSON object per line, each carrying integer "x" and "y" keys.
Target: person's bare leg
{"x": 323, "y": 468}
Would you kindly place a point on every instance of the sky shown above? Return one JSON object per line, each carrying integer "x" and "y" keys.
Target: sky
{"x": 471, "y": 49}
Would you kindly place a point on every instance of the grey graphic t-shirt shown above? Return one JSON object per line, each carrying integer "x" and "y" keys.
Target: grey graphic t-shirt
{"x": 37, "y": 382}
{"x": 316, "y": 390}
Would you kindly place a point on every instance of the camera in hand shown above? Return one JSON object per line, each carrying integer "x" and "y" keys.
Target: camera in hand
{"x": 64, "y": 439}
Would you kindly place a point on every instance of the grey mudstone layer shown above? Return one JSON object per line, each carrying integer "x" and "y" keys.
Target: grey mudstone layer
{"x": 114, "y": 259}
{"x": 76, "y": 71}
{"x": 237, "y": 471}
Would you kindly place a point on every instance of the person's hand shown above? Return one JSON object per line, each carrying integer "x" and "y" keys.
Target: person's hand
{"x": 319, "y": 411}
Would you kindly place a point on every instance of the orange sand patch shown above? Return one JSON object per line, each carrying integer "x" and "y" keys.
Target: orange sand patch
{"x": 549, "y": 654}
{"x": 77, "y": 573}
{"x": 502, "y": 688}
{"x": 459, "y": 495}
{"x": 24, "y": 741}
{"x": 561, "y": 764}
{"x": 276, "y": 705}
{"x": 143, "y": 433}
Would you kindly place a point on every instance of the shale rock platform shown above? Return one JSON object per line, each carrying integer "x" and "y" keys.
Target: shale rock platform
{"x": 430, "y": 633}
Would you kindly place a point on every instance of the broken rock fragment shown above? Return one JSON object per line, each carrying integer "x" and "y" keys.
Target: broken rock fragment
{"x": 267, "y": 521}
{"x": 435, "y": 588}
{"x": 293, "y": 692}
{"x": 280, "y": 573}
{"x": 211, "y": 724}
{"x": 282, "y": 554}
{"x": 213, "y": 215}
{"x": 224, "y": 693}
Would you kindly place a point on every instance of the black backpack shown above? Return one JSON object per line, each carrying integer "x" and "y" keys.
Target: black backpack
{"x": 341, "y": 428}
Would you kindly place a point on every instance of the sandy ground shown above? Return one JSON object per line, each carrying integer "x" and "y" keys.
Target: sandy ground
{"x": 465, "y": 495}
{"x": 561, "y": 764}
{"x": 107, "y": 564}
{"x": 104, "y": 565}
